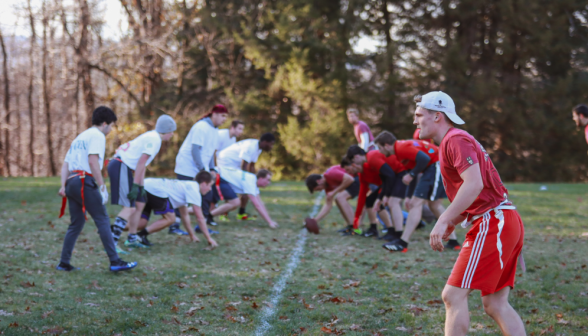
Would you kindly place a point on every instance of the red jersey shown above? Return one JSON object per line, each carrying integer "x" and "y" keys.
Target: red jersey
{"x": 586, "y": 133}
{"x": 333, "y": 177}
{"x": 459, "y": 150}
{"x": 407, "y": 150}
{"x": 370, "y": 175}
{"x": 395, "y": 164}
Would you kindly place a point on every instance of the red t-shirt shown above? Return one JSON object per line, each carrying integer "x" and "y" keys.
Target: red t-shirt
{"x": 334, "y": 177}
{"x": 586, "y": 133}
{"x": 407, "y": 150}
{"x": 395, "y": 164}
{"x": 370, "y": 175}
{"x": 361, "y": 128}
{"x": 459, "y": 150}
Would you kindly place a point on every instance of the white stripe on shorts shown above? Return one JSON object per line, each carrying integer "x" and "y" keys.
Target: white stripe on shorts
{"x": 500, "y": 215}
{"x": 476, "y": 252}
{"x": 436, "y": 185}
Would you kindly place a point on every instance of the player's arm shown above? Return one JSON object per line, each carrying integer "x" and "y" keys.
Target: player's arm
{"x": 93, "y": 162}
{"x": 325, "y": 209}
{"x": 260, "y": 207}
{"x": 421, "y": 162}
{"x": 345, "y": 183}
{"x": 252, "y": 168}
{"x": 203, "y": 226}
{"x": 64, "y": 176}
{"x": 197, "y": 156}
{"x": 363, "y": 190}
{"x": 364, "y": 141}
{"x": 466, "y": 195}
{"x": 140, "y": 170}
{"x": 185, "y": 217}
{"x": 244, "y": 165}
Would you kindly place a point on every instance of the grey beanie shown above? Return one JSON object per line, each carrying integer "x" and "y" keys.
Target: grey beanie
{"x": 165, "y": 124}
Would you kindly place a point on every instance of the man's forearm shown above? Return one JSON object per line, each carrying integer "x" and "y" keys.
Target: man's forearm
{"x": 197, "y": 157}
{"x": 347, "y": 181}
{"x": 185, "y": 217}
{"x": 466, "y": 195}
{"x": 421, "y": 162}
{"x": 324, "y": 210}
{"x": 260, "y": 207}
{"x": 201, "y": 221}
{"x": 139, "y": 175}
{"x": 64, "y": 173}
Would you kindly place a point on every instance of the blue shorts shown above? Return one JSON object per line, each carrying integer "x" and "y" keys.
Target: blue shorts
{"x": 226, "y": 191}
{"x": 157, "y": 205}
{"x": 430, "y": 185}
{"x": 121, "y": 181}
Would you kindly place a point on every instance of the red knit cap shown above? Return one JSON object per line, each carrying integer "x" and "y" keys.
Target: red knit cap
{"x": 219, "y": 109}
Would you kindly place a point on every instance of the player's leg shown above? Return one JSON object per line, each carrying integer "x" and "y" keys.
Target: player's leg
{"x": 232, "y": 202}
{"x": 73, "y": 191}
{"x": 243, "y": 215}
{"x": 175, "y": 227}
{"x": 413, "y": 220}
{"x": 121, "y": 179}
{"x": 342, "y": 201}
{"x": 496, "y": 306}
{"x": 370, "y": 201}
{"x": 162, "y": 207}
{"x": 457, "y": 316}
{"x": 216, "y": 197}
{"x": 133, "y": 239}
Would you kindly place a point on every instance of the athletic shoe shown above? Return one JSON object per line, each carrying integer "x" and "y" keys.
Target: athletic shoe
{"x": 453, "y": 245}
{"x": 122, "y": 265}
{"x": 340, "y": 230}
{"x": 371, "y": 232}
{"x": 135, "y": 244}
{"x": 177, "y": 231}
{"x": 245, "y": 217}
{"x": 120, "y": 251}
{"x": 389, "y": 236}
{"x": 66, "y": 267}
{"x": 350, "y": 231}
{"x": 210, "y": 232}
{"x": 210, "y": 221}
{"x": 223, "y": 218}
{"x": 395, "y": 246}
{"x": 144, "y": 240}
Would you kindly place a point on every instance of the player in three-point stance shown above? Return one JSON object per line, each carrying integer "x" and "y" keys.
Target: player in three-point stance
{"x": 488, "y": 258}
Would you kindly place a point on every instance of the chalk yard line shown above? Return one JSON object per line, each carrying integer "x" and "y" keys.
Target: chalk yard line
{"x": 269, "y": 311}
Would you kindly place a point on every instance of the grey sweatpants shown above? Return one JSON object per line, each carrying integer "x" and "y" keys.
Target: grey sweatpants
{"x": 95, "y": 208}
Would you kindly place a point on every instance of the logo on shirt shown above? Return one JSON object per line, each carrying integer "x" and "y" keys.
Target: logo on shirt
{"x": 431, "y": 151}
{"x": 483, "y": 150}
{"x": 149, "y": 145}
{"x": 466, "y": 244}
{"x": 470, "y": 161}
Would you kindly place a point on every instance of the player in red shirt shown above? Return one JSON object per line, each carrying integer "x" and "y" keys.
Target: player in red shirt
{"x": 340, "y": 187}
{"x": 580, "y": 116}
{"x": 373, "y": 170}
{"x": 417, "y": 156}
{"x": 362, "y": 131}
{"x": 488, "y": 259}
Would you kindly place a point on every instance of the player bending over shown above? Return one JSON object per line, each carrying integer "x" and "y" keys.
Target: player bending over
{"x": 126, "y": 171}
{"x": 161, "y": 193}
{"x": 236, "y": 181}
{"x": 417, "y": 156}
{"x": 243, "y": 155}
{"x": 83, "y": 186}
{"x": 488, "y": 259}
{"x": 340, "y": 187}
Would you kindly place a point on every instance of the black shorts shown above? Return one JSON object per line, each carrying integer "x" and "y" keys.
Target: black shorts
{"x": 121, "y": 182}
{"x": 157, "y": 205}
{"x": 353, "y": 188}
{"x": 430, "y": 185}
{"x": 371, "y": 199}
{"x": 399, "y": 188}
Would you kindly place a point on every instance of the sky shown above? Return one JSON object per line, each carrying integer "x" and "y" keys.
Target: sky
{"x": 112, "y": 14}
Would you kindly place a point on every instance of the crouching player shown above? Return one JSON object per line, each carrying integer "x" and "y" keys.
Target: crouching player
{"x": 340, "y": 187}
{"x": 161, "y": 193}
{"x": 236, "y": 181}
{"x": 83, "y": 186}
{"x": 488, "y": 259}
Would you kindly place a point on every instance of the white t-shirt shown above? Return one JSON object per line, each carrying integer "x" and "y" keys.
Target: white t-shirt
{"x": 247, "y": 150}
{"x": 180, "y": 193}
{"x": 225, "y": 139}
{"x": 147, "y": 143}
{"x": 201, "y": 134}
{"x": 90, "y": 141}
{"x": 241, "y": 181}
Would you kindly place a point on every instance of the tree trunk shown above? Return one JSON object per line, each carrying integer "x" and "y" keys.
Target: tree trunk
{"x": 46, "y": 95}
{"x": 389, "y": 63}
{"x": 82, "y": 53}
{"x": 6, "y": 107}
{"x": 30, "y": 93}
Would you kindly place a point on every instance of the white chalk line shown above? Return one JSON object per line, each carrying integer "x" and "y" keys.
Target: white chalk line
{"x": 269, "y": 311}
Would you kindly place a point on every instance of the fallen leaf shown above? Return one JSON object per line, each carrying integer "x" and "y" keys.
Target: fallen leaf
{"x": 94, "y": 285}
{"x": 559, "y": 315}
{"x": 231, "y": 308}
{"x": 326, "y": 330}
{"x": 545, "y": 331}
{"x": 254, "y": 305}
{"x": 338, "y": 300}
{"x": 284, "y": 318}
{"x": 45, "y": 314}
{"x": 23, "y": 203}
{"x": 416, "y": 311}
{"x": 190, "y": 329}
{"x": 27, "y": 284}
{"x": 351, "y": 284}
{"x": 139, "y": 323}
{"x": 355, "y": 327}
{"x": 401, "y": 328}
{"x": 91, "y": 304}
{"x": 193, "y": 310}
{"x": 182, "y": 284}
{"x": 174, "y": 309}
{"x": 54, "y": 331}
{"x": 13, "y": 325}
{"x": 202, "y": 322}
{"x": 307, "y": 306}
{"x": 434, "y": 302}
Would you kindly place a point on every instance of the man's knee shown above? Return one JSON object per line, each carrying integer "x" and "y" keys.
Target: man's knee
{"x": 493, "y": 303}
{"x": 453, "y": 296}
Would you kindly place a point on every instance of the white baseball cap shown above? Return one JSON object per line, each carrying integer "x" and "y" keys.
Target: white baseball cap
{"x": 441, "y": 102}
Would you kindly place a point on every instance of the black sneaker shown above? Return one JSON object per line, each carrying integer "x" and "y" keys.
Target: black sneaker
{"x": 144, "y": 240}
{"x": 121, "y": 265}
{"x": 389, "y": 236}
{"x": 210, "y": 221}
{"x": 340, "y": 230}
{"x": 396, "y": 246}
{"x": 66, "y": 267}
{"x": 452, "y": 245}
{"x": 371, "y": 232}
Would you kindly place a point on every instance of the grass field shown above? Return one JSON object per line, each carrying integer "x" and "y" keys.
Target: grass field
{"x": 341, "y": 285}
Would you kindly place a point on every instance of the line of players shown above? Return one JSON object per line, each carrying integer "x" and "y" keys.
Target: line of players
{"x": 382, "y": 172}
{"x": 210, "y": 166}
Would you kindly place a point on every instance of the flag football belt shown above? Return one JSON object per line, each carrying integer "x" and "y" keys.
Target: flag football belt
{"x": 505, "y": 205}
{"x": 217, "y": 184}
{"x": 82, "y": 174}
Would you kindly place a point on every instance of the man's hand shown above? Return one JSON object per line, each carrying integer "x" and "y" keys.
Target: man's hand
{"x": 194, "y": 239}
{"x": 273, "y": 225}
{"x": 440, "y": 232}
{"x": 62, "y": 191}
{"x": 406, "y": 179}
{"x": 407, "y": 204}
{"x": 212, "y": 243}
{"x": 330, "y": 196}
{"x": 385, "y": 200}
{"x": 134, "y": 193}
{"x": 213, "y": 174}
{"x": 104, "y": 194}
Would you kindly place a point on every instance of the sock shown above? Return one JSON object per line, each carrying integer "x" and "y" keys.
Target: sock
{"x": 403, "y": 243}
{"x": 373, "y": 226}
{"x": 398, "y": 234}
{"x": 391, "y": 230}
{"x": 143, "y": 233}
{"x": 454, "y": 241}
{"x": 241, "y": 211}
{"x": 117, "y": 228}
{"x": 132, "y": 237}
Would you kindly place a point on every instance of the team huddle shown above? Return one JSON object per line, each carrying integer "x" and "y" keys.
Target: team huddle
{"x": 384, "y": 173}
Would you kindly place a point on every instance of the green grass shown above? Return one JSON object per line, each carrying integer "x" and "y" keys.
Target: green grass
{"x": 398, "y": 294}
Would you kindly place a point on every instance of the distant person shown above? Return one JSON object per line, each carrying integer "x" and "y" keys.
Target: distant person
{"x": 197, "y": 153}
{"x": 488, "y": 259}
{"x": 126, "y": 171}
{"x": 228, "y": 136}
{"x": 580, "y": 116}
{"x": 83, "y": 186}
{"x": 363, "y": 134}
{"x": 339, "y": 187}
{"x": 243, "y": 155}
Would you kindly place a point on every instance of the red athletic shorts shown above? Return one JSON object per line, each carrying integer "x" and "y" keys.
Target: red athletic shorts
{"x": 488, "y": 257}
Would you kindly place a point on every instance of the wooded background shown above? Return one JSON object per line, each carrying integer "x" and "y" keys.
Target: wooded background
{"x": 515, "y": 69}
